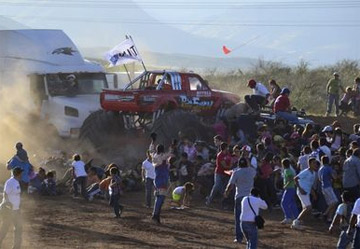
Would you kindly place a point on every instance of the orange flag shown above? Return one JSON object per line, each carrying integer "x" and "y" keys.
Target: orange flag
{"x": 226, "y": 50}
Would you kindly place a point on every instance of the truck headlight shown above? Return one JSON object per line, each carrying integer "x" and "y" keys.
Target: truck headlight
{"x": 70, "y": 111}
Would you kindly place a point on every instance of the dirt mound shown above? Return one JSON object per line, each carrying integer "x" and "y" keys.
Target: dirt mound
{"x": 346, "y": 122}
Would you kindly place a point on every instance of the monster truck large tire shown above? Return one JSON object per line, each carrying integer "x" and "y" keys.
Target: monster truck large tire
{"x": 102, "y": 127}
{"x": 168, "y": 126}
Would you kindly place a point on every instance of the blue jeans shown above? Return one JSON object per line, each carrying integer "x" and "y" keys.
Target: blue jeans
{"x": 220, "y": 182}
{"x": 250, "y": 232}
{"x": 237, "y": 213}
{"x": 149, "y": 184}
{"x": 288, "y": 204}
{"x": 356, "y": 242}
{"x": 344, "y": 240}
{"x": 159, "y": 201}
{"x": 288, "y": 116}
{"x": 331, "y": 99}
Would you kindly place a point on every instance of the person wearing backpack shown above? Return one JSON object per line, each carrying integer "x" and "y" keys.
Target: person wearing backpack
{"x": 250, "y": 207}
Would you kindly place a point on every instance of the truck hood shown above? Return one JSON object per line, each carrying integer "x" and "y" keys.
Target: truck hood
{"x": 229, "y": 95}
{"x": 84, "y": 103}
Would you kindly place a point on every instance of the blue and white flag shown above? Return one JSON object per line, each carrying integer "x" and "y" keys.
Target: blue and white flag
{"x": 123, "y": 53}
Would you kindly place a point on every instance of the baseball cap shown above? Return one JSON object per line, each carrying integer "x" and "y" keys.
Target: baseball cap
{"x": 246, "y": 148}
{"x": 327, "y": 128}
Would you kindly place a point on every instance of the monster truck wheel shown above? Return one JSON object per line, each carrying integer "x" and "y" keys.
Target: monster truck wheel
{"x": 168, "y": 126}
{"x": 101, "y": 127}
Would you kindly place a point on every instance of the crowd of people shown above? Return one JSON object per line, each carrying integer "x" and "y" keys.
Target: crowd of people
{"x": 302, "y": 169}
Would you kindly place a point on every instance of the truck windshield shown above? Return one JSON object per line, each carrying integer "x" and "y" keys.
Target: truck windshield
{"x": 75, "y": 84}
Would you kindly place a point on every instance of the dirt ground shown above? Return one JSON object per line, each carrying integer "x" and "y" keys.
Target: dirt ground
{"x": 64, "y": 222}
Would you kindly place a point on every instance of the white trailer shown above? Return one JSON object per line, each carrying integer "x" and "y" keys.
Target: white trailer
{"x": 61, "y": 87}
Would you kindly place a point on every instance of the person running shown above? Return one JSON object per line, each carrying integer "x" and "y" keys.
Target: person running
{"x": 243, "y": 180}
{"x": 288, "y": 202}
{"x": 148, "y": 176}
{"x": 259, "y": 96}
{"x": 10, "y": 208}
{"x": 304, "y": 182}
{"x": 342, "y": 217}
{"x": 159, "y": 161}
{"x": 325, "y": 175}
{"x": 250, "y": 207}
{"x": 332, "y": 89}
{"x": 355, "y": 225}
{"x": 223, "y": 162}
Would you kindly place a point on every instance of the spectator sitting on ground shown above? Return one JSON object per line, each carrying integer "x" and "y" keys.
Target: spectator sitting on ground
{"x": 49, "y": 185}
{"x": 36, "y": 183}
{"x": 93, "y": 182}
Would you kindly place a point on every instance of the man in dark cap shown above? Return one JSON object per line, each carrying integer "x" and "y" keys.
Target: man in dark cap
{"x": 10, "y": 208}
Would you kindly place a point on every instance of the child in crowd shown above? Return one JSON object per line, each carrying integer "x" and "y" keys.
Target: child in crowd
{"x": 342, "y": 217}
{"x": 93, "y": 183}
{"x": 345, "y": 102}
{"x": 79, "y": 175}
{"x": 115, "y": 192}
{"x": 49, "y": 185}
{"x": 181, "y": 195}
{"x": 36, "y": 182}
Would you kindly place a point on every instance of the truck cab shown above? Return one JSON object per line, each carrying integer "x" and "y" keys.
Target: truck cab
{"x": 48, "y": 75}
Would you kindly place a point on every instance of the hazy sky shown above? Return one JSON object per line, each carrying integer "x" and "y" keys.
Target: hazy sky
{"x": 318, "y": 31}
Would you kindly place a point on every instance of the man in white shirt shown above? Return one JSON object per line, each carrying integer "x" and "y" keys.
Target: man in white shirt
{"x": 250, "y": 207}
{"x": 259, "y": 96}
{"x": 148, "y": 176}
{"x": 10, "y": 208}
{"x": 355, "y": 223}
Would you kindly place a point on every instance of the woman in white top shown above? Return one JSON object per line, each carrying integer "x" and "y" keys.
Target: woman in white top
{"x": 250, "y": 207}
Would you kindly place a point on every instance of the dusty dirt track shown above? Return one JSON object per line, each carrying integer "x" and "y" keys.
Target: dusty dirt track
{"x": 63, "y": 222}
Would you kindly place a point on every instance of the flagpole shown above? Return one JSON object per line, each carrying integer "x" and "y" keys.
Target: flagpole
{"x": 127, "y": 71}
{"x": 142, "y": 61}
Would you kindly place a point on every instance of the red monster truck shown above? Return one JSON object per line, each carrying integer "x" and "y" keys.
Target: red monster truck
{"x": 164, "y": 102}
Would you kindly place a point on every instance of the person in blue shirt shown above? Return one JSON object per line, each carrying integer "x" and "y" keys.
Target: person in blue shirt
{"x": 325, "y": 175}
{"x": 21, "y": 160}
{"x": 304, "y": 182}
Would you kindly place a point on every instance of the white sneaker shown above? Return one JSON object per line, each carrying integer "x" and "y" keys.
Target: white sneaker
{"x": 286, "y": 221}
{"x": 296, "y": 225}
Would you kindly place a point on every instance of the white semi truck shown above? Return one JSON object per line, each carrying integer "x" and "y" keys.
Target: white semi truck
{"x": 59, "y": 85}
